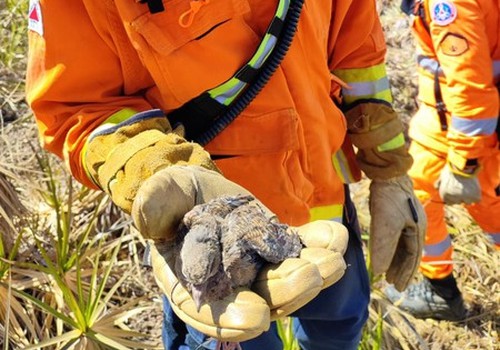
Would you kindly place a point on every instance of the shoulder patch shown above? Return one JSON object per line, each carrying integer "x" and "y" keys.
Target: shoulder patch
{"x": 35, "y": 22}
{"x": 443, "y": 12}
{"x": 453, "y": 44}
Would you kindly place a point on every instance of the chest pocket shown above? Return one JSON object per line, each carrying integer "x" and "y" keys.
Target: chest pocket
{"x": 187, "y": 60}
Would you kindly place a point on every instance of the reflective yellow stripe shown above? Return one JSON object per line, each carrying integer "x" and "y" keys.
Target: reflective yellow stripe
{"x": 115, "y": 118}
{"x": 342, "y": 168}
{"x": 281, "y": 8}
{"x": 229, "y": 90}
{"x": 328, "y": 212}
{"x": 360, "y": 75}
{"x": 111, "y": 121}
{"x": 382, "y": 95}
{"x": 374, "y": 75}
{"x": 261, "y": 55}
{"x": 256, "y": 61}
{"x": 224, "y": 88}
{"x": 393, "y": 143}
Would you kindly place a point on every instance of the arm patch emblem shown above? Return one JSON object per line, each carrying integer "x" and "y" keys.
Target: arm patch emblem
{"x": 453, "y": 44}
{"x": 443, "y": 12}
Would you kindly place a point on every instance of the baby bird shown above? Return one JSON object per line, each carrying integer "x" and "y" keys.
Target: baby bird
{"x": 249, "y": 238}
{"x": 199, "y": 266}
{"x": 225, "y": 243}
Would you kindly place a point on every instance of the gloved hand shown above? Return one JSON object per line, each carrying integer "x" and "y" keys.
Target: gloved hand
{"x": 151, "y": 171}
{"x": 397, "y": 230}
{"x": 457, "y": 187}
{"x": 325, "y": 244}
{"x": 118, "y": 157}
{"x": 398, "y": 221}
{"x": 279, "y": 289}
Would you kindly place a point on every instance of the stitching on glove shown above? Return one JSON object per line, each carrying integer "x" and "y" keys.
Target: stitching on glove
{"x": 122, "y": 154}
{"x": 177, "y": 283}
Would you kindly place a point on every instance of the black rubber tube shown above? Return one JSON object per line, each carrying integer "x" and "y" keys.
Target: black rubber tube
{"x": 270, "y": 66}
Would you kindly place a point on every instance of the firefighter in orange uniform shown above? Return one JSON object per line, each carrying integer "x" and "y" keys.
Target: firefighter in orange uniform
{"x": 454, "y": 139}
{"x": 167, "y": 104}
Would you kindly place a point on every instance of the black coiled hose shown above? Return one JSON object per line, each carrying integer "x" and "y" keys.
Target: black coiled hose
{"x": 268, "y": 69}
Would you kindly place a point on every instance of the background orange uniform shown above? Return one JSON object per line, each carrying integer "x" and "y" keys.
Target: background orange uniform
{"x": 461, "y": 48}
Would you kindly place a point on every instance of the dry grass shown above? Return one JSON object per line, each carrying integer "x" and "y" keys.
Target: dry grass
{"x": 477, "y": 268}
{"x": 28, "y": 208}
{"x": 477, "y": 264}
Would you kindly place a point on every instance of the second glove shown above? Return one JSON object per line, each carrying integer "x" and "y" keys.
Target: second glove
{"x": 456, "y": 187}
{"x": 397, "y": 230}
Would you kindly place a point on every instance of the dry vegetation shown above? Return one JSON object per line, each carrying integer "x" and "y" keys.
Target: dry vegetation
{"x": 41, "y": 207}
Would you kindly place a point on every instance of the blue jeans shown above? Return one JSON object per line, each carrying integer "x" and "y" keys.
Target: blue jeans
{"x": 333, "y": 320}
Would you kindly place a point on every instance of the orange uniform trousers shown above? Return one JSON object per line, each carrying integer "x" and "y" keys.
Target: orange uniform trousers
{"x": 437, "y": 261}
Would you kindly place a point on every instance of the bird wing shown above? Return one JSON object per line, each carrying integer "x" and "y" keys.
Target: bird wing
{"x": 222, "y": 206}
{"x": 254, "y": 231}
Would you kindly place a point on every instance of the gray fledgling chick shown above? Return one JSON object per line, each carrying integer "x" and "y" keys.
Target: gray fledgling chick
{"x": 199, "y": 266}
{"x": 200, "y": 254}
{"x": 249, "y": 238}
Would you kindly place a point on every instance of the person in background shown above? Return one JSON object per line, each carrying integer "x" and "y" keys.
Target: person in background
{"x": 125, "y": 93}
{"x": 454, "y": 139}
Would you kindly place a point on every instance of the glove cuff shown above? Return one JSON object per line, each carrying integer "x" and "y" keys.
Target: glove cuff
{"x": 375, "y": 129}
{"x": 120, "y": 156}
{"x": 112, "y": 136}
{"x": 470, "y": 169}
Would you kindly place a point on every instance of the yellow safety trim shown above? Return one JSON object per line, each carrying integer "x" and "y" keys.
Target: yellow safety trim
{"x": 231, "y": 85}
{"x": 281, "y": 9}
{"x": 228, "y": 85}
{"x": 360, "y": 75}
{"x": 116, "y": 118}
{"x": 233, "y": 82}
{"x": 341, "y": 165}
{"x": 365, "y": 76}
{"x": 395, "y": 142}
{"x": 260, "y": 50}
{"x": 328, "y": 212}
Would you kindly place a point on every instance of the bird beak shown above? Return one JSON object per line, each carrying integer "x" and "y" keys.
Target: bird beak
{"x": 197, "y": 295}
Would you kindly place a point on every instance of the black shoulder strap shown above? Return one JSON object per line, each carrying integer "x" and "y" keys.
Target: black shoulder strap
{"x": 440, "y": 106}
{"x": 407, "y": 6}
{"x": 419, "y": 10}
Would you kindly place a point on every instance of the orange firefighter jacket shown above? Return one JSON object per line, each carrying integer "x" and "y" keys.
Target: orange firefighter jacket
{"x": 459, "y": 41}
{"x": 90, "y": 59}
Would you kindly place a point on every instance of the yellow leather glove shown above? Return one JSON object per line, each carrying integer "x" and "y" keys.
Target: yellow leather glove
{"x": 456, "y": 187}
{"x": 397, "y": 230}
{"x": 119, "y": 157}
{"x": 279, "y": 289}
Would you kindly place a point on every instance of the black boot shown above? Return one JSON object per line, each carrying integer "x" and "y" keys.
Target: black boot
{"x": 439, "y": 299}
